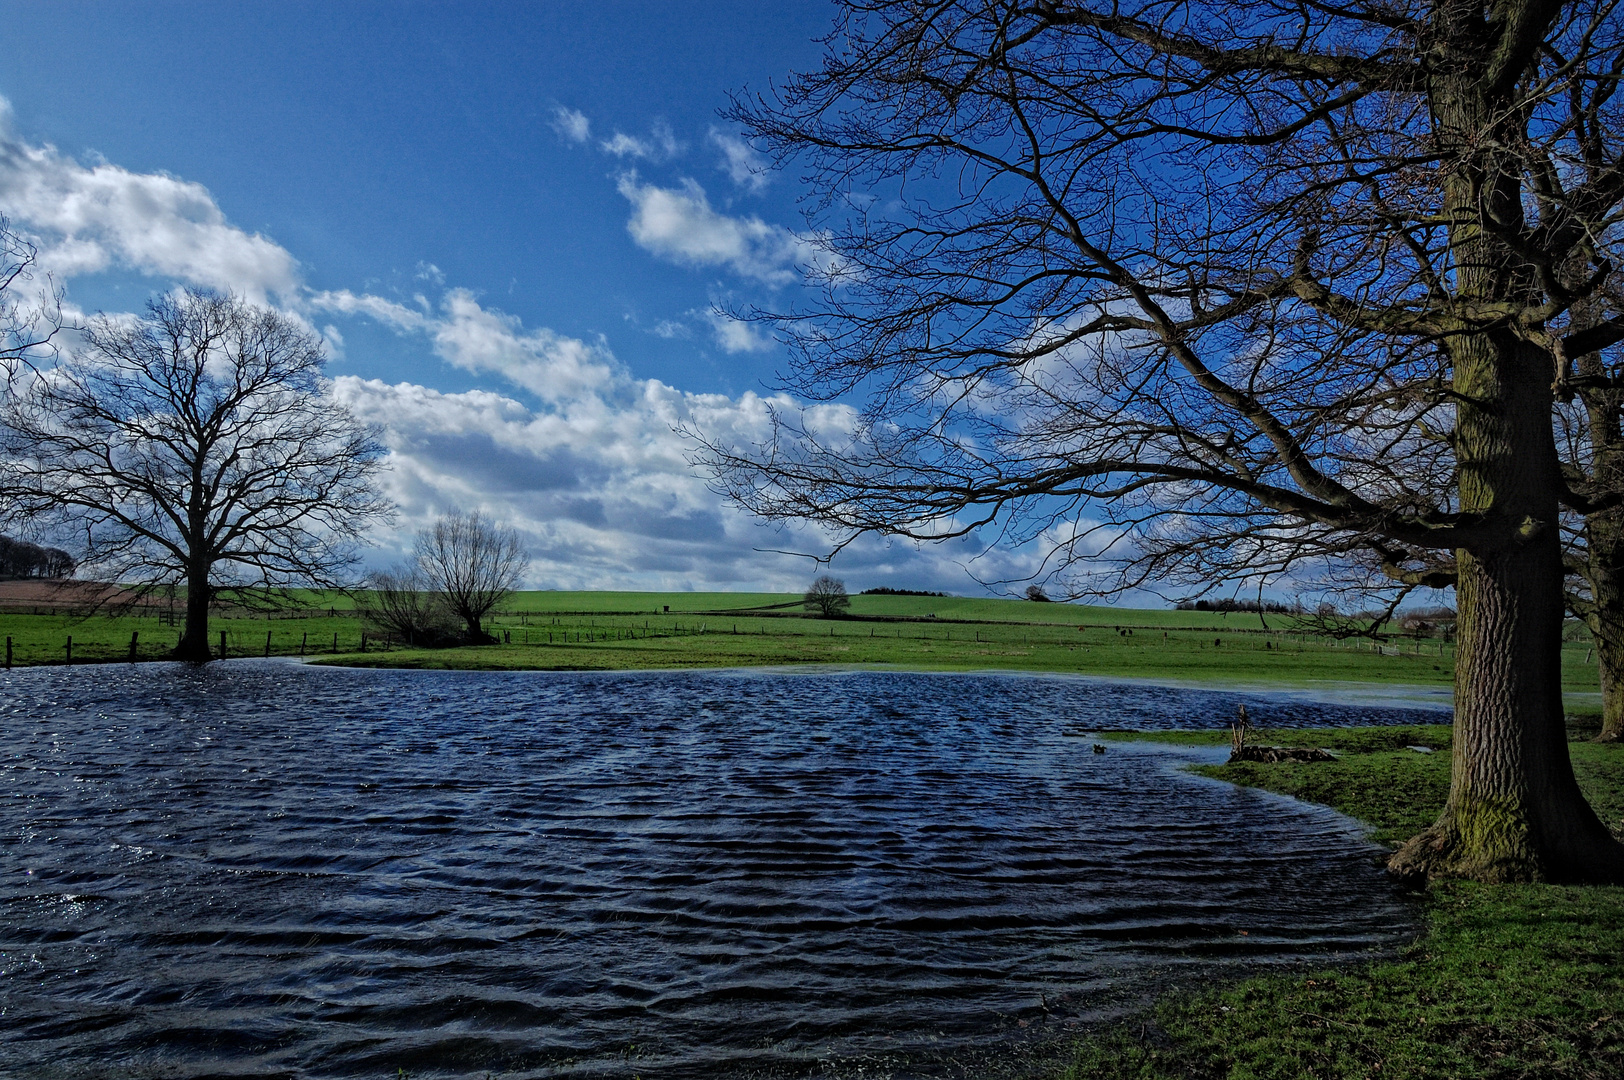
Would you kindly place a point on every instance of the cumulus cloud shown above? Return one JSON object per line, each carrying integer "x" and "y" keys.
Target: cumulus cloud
{"x": 737, "y": 336}
{"x": 679, "y": 224}
{"x": 603, "y": 492}
{"x": 87, "y": 218}
{"x": 395, "y": 315}
{"x": 551, "y": 366}
{"x": 334, "y": 340}
{"x": 572, "y": 124}
{"x": 594, "y": 471}
{"x": 581, "y": 455}
{"x": 600, "y": 487}
{"x": 660, "y": 144}
{"x": 742, "y": 163}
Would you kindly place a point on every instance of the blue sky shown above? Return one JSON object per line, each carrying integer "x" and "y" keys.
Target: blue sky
{"x": 512, "y": 222}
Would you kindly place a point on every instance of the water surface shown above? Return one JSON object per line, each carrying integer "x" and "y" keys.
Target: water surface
{"x": 267, "y": 869}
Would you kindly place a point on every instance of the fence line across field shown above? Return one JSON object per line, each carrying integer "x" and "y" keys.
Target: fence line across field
{"x": 602, "y": 628}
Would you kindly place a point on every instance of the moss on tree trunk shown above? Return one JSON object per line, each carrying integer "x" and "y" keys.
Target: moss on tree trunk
{"x": 1515, "y": 812}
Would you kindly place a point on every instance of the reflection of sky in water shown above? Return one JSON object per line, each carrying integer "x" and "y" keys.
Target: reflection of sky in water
{"x": 264, "y": 867}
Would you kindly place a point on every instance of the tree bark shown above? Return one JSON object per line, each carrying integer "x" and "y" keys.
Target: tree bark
{"x": 1608, "y": 632}
{"x": 1604, "y": 549}
{"x": 1604, "y": 538}
{"x": 1515, "y": 811}
{"x": 194, "y": 640}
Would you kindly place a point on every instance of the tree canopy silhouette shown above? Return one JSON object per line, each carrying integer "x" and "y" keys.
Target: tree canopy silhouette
{"x": 827, "y": 596}
{"x": 196, "y": 446}
{"x": 474, "y": 564}
{"x": 1197, "y": 291}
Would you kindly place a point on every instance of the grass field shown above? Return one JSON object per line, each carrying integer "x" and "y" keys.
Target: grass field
{"x": 623, "y": 630}
{"x": 1506, "y": 981}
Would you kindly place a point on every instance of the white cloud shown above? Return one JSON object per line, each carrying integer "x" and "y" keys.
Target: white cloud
{"x": 590, "y": 465}
{"x": 679, "y": 224}
{"x": 742, "y": 163}
{"x": 553, "y": 367}
{"x": 602, "y": 490}
{"x": 334, "y": 340}
{"x": 595, "y": 473}
{"x": 572, "y": 124}
{"x": 90, "y": 218}
{"x": 671, "y": 329}
{"x": 660, "y": 145}
{"x": 736, "y": 336}
{"x": 398, "y": 317}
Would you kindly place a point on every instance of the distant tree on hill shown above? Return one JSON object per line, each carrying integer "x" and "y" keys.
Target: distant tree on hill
{"x": 1271, "y": 606}
{"x": 1036, "y": 593}
{"x": 474, "y": 565}
{"x": 827, "y": 596}
{"x": 886, "y": 591}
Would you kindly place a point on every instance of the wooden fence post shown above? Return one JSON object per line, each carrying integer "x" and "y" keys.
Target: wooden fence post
{"x": 133, "y": 635}
{"x": 8, "y": 652}
{"x": 222, "y": 644}
{"x": 70, "y": 648}
{"x": 267, "y": 644}
{"x": 303, "y": 642}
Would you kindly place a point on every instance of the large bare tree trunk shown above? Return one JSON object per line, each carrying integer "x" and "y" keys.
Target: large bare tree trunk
{"x": 1610, "y": 661}
{"x": 1604, "y": 548}
{"x": 194, "y": 640}
{"x": 1515, "y": 812}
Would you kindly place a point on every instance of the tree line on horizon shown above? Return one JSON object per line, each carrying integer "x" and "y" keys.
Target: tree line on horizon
{"x": 26, "y": 559}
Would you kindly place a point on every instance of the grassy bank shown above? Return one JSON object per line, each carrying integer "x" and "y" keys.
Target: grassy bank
{"x": 623, "y": 630}
{"x": 1506, "y": 981}
{"x": 609, "y": 631}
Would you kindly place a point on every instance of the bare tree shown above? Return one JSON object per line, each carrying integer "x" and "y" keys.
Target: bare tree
{"x": 475, "y": 564}
{"x": 1250, "y": 285}
{"x": 403, "y": 602}
{"x": 27, "y": 323}
{"x": 1591, "y": 439}
{"x": 827, "y": 596}
{"x": 196, "y": 446}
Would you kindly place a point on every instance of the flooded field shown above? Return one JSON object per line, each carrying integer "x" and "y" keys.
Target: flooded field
{"x": 265, "y": 869}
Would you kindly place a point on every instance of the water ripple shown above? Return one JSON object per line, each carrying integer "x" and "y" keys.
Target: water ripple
{"x": 259, "y": 868}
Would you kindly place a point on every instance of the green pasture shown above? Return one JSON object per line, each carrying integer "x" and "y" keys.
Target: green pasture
{"x": 608, "y": 642}
{"x": 44, "y": 639}
{"x": 1505, "y": 980}
{"x": 946, "y": 608}
{"x": 625, "y": 630}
